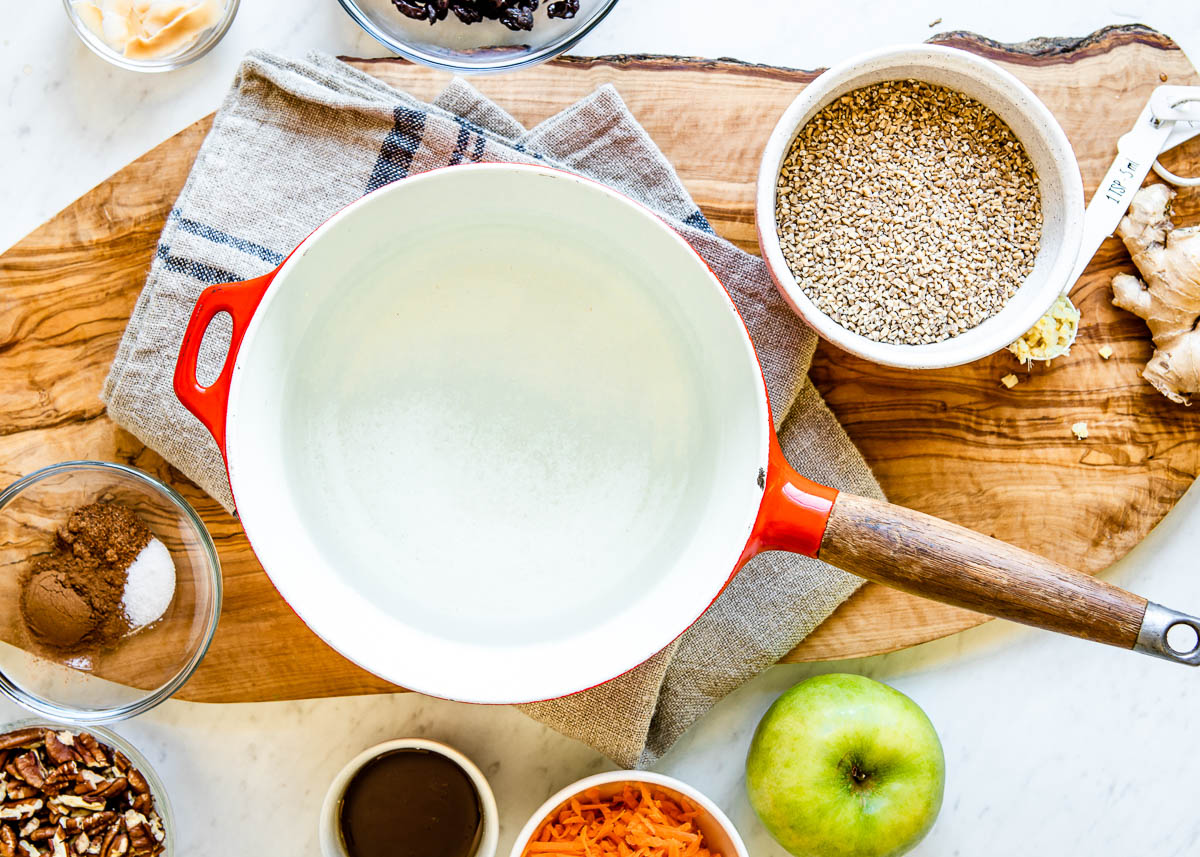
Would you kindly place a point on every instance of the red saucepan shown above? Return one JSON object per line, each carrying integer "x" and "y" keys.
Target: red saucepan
{"x": 498, "y": 434}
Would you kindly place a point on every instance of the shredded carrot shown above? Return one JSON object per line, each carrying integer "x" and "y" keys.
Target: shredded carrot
{"x": 636, "y": 822}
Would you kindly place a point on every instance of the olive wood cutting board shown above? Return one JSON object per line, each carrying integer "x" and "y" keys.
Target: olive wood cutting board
{"x": 953, "y": 442}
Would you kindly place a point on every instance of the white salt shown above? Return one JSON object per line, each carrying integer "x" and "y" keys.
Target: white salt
{"x": 149, "y": 585}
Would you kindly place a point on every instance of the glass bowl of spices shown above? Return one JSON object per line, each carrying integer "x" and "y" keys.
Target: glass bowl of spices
{"x": 111, "y": 591}
{"x": 151, "y": 35}
{"x": 475, "y": 36}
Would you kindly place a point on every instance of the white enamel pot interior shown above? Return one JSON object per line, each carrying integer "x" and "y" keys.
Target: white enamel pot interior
{"x": 495, "y": 432}
{"x": 1049, "y": 150}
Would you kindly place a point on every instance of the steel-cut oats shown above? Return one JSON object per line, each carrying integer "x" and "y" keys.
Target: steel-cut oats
{"x": 908, "y": 212}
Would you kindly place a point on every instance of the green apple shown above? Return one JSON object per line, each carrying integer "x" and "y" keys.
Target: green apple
{"x": 843, "y": 766}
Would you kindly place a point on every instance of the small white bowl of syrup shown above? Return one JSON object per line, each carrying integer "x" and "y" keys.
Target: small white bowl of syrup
{"x": 410, "y": 797}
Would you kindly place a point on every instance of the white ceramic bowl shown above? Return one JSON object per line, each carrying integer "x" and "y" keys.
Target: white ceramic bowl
{"x": 329, "y": 833}
{"x": 719, "y": 833}
{"x": 1044, "y": 140}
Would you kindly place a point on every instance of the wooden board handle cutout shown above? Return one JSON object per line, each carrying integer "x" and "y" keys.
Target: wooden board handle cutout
{"x": 927, "y": 556}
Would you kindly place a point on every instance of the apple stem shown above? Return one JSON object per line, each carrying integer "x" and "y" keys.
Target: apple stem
{"x": 859, "y": 777}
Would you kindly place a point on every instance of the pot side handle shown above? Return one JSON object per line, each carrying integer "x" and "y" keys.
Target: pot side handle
{"x": 793, "y": 513}
{"x": 210, "y": 404}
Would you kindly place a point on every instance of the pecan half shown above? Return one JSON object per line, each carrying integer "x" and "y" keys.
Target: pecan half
{"x": 30, "y": 769}
{"x": 54, "y": 814}
{"x": 90, "y": 751}
{"x": 8, "y": 841}
{"x": 137, "y": 782}
{"x": 57, "y": 751}
{"x": 20, "y": 738}
{"x": 91, "y": 824}
{"x": 15, "y": 810}
{"x": 117, "y": 847}
{"x": 113, "y": 831}
{"x": 108, "y": 790}
{"x": 78, "y": 802}
{"x": 141, "y": 837}
{"x": 18, "y": 790}
{"x": 64, "y": 777}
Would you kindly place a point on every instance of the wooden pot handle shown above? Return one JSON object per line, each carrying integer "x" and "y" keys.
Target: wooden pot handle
{"x": 927, "y": 556}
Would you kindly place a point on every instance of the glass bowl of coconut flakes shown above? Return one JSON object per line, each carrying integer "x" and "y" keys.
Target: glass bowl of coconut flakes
{"x": 111, "y": 591}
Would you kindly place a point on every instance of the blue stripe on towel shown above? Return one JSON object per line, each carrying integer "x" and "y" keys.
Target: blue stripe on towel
{"x": 460, "y": 145}
{"x": 480, "y": 143}
{"x": 399, "y": 146}
{"x": 699, "y": 221}
{"x": 210, "y": 233}
{"x": 208, "y": 274}
{"x": 520, "y": 147}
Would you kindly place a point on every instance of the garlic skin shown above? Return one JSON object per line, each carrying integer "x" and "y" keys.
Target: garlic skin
{"x": 149, "y": 29}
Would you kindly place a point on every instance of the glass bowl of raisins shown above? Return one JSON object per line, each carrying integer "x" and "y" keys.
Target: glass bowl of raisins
{"x": 477, "y": 36}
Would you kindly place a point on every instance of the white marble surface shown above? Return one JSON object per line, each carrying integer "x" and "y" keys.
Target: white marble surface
{"x": 1053, "y": 746}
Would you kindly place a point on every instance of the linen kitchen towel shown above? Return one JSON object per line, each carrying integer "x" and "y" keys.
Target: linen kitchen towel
{"x": 296, "y": 141}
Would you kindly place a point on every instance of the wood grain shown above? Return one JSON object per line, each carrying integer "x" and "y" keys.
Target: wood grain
{"x": 952, "y": 443}
{"x": 926, "y": 556}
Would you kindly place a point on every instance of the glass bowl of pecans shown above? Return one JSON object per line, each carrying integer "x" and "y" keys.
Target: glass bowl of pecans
{"x": 478, "y": 36}
{"x": 111, "y": 592}
{"x": 73, "y": 791}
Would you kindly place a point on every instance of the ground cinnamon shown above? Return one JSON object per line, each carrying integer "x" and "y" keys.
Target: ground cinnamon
{"x": 72, "y": 596}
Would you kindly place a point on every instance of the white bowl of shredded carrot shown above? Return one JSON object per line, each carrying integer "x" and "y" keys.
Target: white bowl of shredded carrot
{"x": 624, "y": 814}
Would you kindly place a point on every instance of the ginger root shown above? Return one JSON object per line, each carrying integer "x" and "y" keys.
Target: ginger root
{"x": 1169, "y": 299}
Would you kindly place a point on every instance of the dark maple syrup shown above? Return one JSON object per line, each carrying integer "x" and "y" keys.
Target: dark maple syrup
{"x": 410, "y": 803}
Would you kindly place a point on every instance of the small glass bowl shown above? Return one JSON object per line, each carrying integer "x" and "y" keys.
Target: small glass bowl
{"x": 188, "y": 54}
{"x": 487, "y": 46}
{"x": 140, "y": 671}
{"x": 158, "y": 791}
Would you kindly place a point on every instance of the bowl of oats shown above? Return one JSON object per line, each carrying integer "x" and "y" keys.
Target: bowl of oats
{"x": 919, "y": 207}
